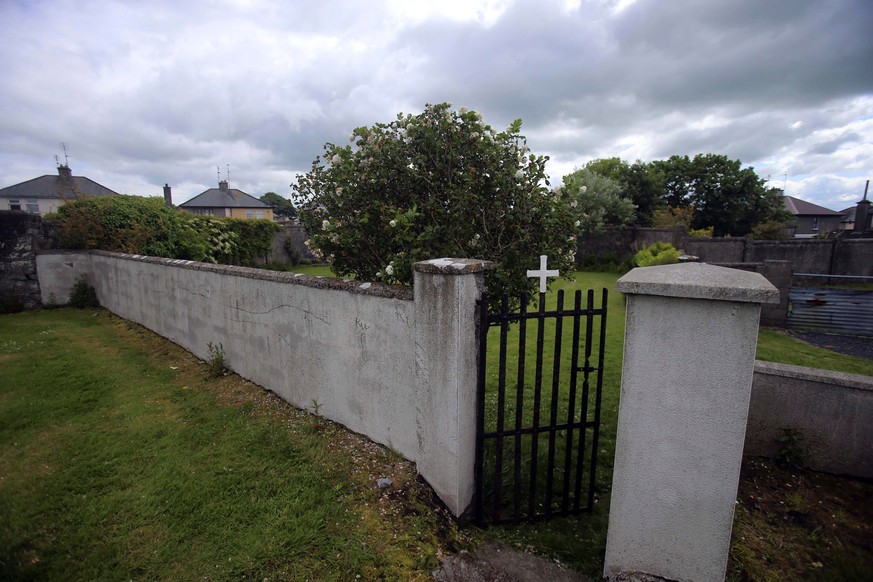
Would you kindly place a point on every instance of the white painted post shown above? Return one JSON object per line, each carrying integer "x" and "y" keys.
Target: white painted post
{"x": 446, "y": 348}
{"x": 689, "y": 357}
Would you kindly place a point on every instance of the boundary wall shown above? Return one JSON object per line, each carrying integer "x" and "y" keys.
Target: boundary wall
{"x": 396, "y": 367}
{"x": 831, "y": 413}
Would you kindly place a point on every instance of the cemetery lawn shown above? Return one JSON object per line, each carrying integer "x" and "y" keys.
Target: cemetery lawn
{"x": 120, "y": 458}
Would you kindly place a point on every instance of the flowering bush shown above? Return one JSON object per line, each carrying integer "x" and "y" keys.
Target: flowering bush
{"x": 438, "y": 184}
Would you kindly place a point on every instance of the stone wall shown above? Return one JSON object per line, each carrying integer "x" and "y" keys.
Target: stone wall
{"x": 21, "y": 236}
{"x": 847, "y": 256}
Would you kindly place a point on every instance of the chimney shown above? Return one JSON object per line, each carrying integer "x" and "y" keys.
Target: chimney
{"x": 222, "y": 185}
{"x": 168, "y": 195}
{"x": 862, "y": 212}
{"x": 65, "y": 172}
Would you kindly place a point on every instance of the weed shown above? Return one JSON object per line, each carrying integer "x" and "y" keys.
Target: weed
{"x": 216, "y": 361}
{"x": 791, "y": 447}
{"x": 318, "y": 421}
{"x": 83, "y": 295}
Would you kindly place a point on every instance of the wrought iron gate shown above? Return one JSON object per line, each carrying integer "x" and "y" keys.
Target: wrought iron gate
{"x": 533, "y": 463}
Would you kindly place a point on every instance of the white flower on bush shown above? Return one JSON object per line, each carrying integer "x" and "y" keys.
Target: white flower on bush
{"x": 393, "y": 223}
{"x": 351, "y": 137}
{"x": 519, "y": 174}
{"x": 577, "y": 224}
{"x": 583, "y": 189}
{"x": 462, "y": 110}
{"x": 573, "y": 204}
{"x": 336, "y": 159}
{"x": 389, "y": 270}
{"x": 339, "y": 190}
{"x": 325, "y": 224}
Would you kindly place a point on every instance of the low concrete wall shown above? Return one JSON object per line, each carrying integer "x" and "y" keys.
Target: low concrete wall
{"x": 832, "y": 413}
{"x": 400, "y": 371}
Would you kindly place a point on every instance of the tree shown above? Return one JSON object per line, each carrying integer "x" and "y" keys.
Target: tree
{"x": 644, "y": 185}
{"x": 438, "y": 184}
{"x": 639, "y": 182}
{"x": 597, "y": 200}
{"x": 722, "y": 194}
{"x": 282, "y": 207}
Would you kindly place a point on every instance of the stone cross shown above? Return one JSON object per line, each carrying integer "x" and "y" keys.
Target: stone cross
{"x": 543, "y": 273}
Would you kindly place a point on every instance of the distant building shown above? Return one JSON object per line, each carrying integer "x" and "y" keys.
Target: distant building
{"x": 224, "y": 202}
{"x": 47, "y": 193}
{"x": 811, "y": 219}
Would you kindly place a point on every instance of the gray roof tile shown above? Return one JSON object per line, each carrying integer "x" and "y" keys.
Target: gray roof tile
{"x": 56, "y": 187}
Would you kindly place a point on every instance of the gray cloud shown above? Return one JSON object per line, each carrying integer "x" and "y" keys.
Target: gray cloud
{"x": 165, "y": 92}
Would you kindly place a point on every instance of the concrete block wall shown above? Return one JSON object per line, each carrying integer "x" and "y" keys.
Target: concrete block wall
{"x": 398, "y": 368}
{"x": 831, "y": 412}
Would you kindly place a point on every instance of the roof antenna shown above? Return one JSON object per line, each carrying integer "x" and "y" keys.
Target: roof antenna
{"x": 218, "y": 170}
{"x": 66, "y": 157}
{"x": 228, "y": 173}
{"x": 57, "y": 161}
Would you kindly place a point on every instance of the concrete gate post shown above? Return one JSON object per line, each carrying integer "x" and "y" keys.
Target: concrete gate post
{"x": 446, "y": 344}
{"x": 689, "y": 358}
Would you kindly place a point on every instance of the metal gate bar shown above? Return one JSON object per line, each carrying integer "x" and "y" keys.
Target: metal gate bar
{"x": 501, "y": 434}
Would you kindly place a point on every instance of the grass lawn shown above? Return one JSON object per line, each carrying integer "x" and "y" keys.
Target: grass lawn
{"x": 121, "y": 458}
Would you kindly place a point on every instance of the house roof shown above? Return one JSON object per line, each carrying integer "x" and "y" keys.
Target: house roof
{"x": 56, "y": 187}
{"x": 224, "y": 198}
{"x": 799, "y": 207}
{"x": 848, "y": 214}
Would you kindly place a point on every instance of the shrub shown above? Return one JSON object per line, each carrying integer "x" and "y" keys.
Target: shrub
{"x": 772, "y": 230}
{"x": 660, "y": 253}
{"x": 125, "y": 224}
{"x": 702, "y": 232}
{"x": 83, "y": 295}
{"x": 438, "y": 184}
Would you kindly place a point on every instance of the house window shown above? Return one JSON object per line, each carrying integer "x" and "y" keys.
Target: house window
{"x": 33, "y": 206}
{"x": 815, "y": 223}
{"x": 208, "y": 212}
{"x": 259, "y": 213}
{"x": 15, "y": 205}
{"x": 250, "y": 214}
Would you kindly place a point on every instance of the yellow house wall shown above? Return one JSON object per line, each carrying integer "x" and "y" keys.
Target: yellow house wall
{"x": 241, "y": 213}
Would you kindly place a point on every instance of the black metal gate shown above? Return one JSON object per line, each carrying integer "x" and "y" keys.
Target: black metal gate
{"x": 536, "y": 441}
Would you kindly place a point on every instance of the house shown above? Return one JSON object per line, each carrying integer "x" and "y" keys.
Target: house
{"x": 47, "y": 193}
{"x": 225, "y": 202}
{"x": 811, "y": 219}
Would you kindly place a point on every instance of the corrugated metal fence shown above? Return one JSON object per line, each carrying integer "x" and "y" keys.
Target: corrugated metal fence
{"x": 844, "y": 311}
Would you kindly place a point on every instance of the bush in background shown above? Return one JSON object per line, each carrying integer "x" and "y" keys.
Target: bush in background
{"x": 147, "y": 226}
{"x": 660, "y": 253}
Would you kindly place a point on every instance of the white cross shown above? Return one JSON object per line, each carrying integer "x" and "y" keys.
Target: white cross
{"x": 543, "y": 273}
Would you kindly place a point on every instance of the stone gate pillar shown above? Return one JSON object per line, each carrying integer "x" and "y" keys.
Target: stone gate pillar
{"x": 689, "y": 358}
{"x": 446, "y": 359}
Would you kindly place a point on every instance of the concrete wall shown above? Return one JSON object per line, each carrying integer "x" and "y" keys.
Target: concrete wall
{"x": 831, "y": 411}
{"x": 402, "y": 372}
{"x": 848, "y": 256}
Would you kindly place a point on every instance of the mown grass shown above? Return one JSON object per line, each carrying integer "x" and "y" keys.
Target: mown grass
{"x": 120, "y": 458}
{"x": 776, "y": 345}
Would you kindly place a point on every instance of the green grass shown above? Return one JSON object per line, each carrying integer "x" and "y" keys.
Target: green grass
{"x": 580, "y": 541}
{"x": 114, "y": 465}
{"x": 777, "y": 346}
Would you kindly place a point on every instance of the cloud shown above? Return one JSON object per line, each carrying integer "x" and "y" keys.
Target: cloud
{"x": 165, "y": 92}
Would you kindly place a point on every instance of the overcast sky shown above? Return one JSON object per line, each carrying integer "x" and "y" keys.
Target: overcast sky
{"x": 145, "y": 93}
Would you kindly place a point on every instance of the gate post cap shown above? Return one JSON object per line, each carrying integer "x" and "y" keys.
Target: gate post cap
{"x": 699, "y": 281}
{"x": 447, "y": 266}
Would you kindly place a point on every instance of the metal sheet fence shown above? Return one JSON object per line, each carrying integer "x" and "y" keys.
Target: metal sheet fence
{"x": 843, "y": 311}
